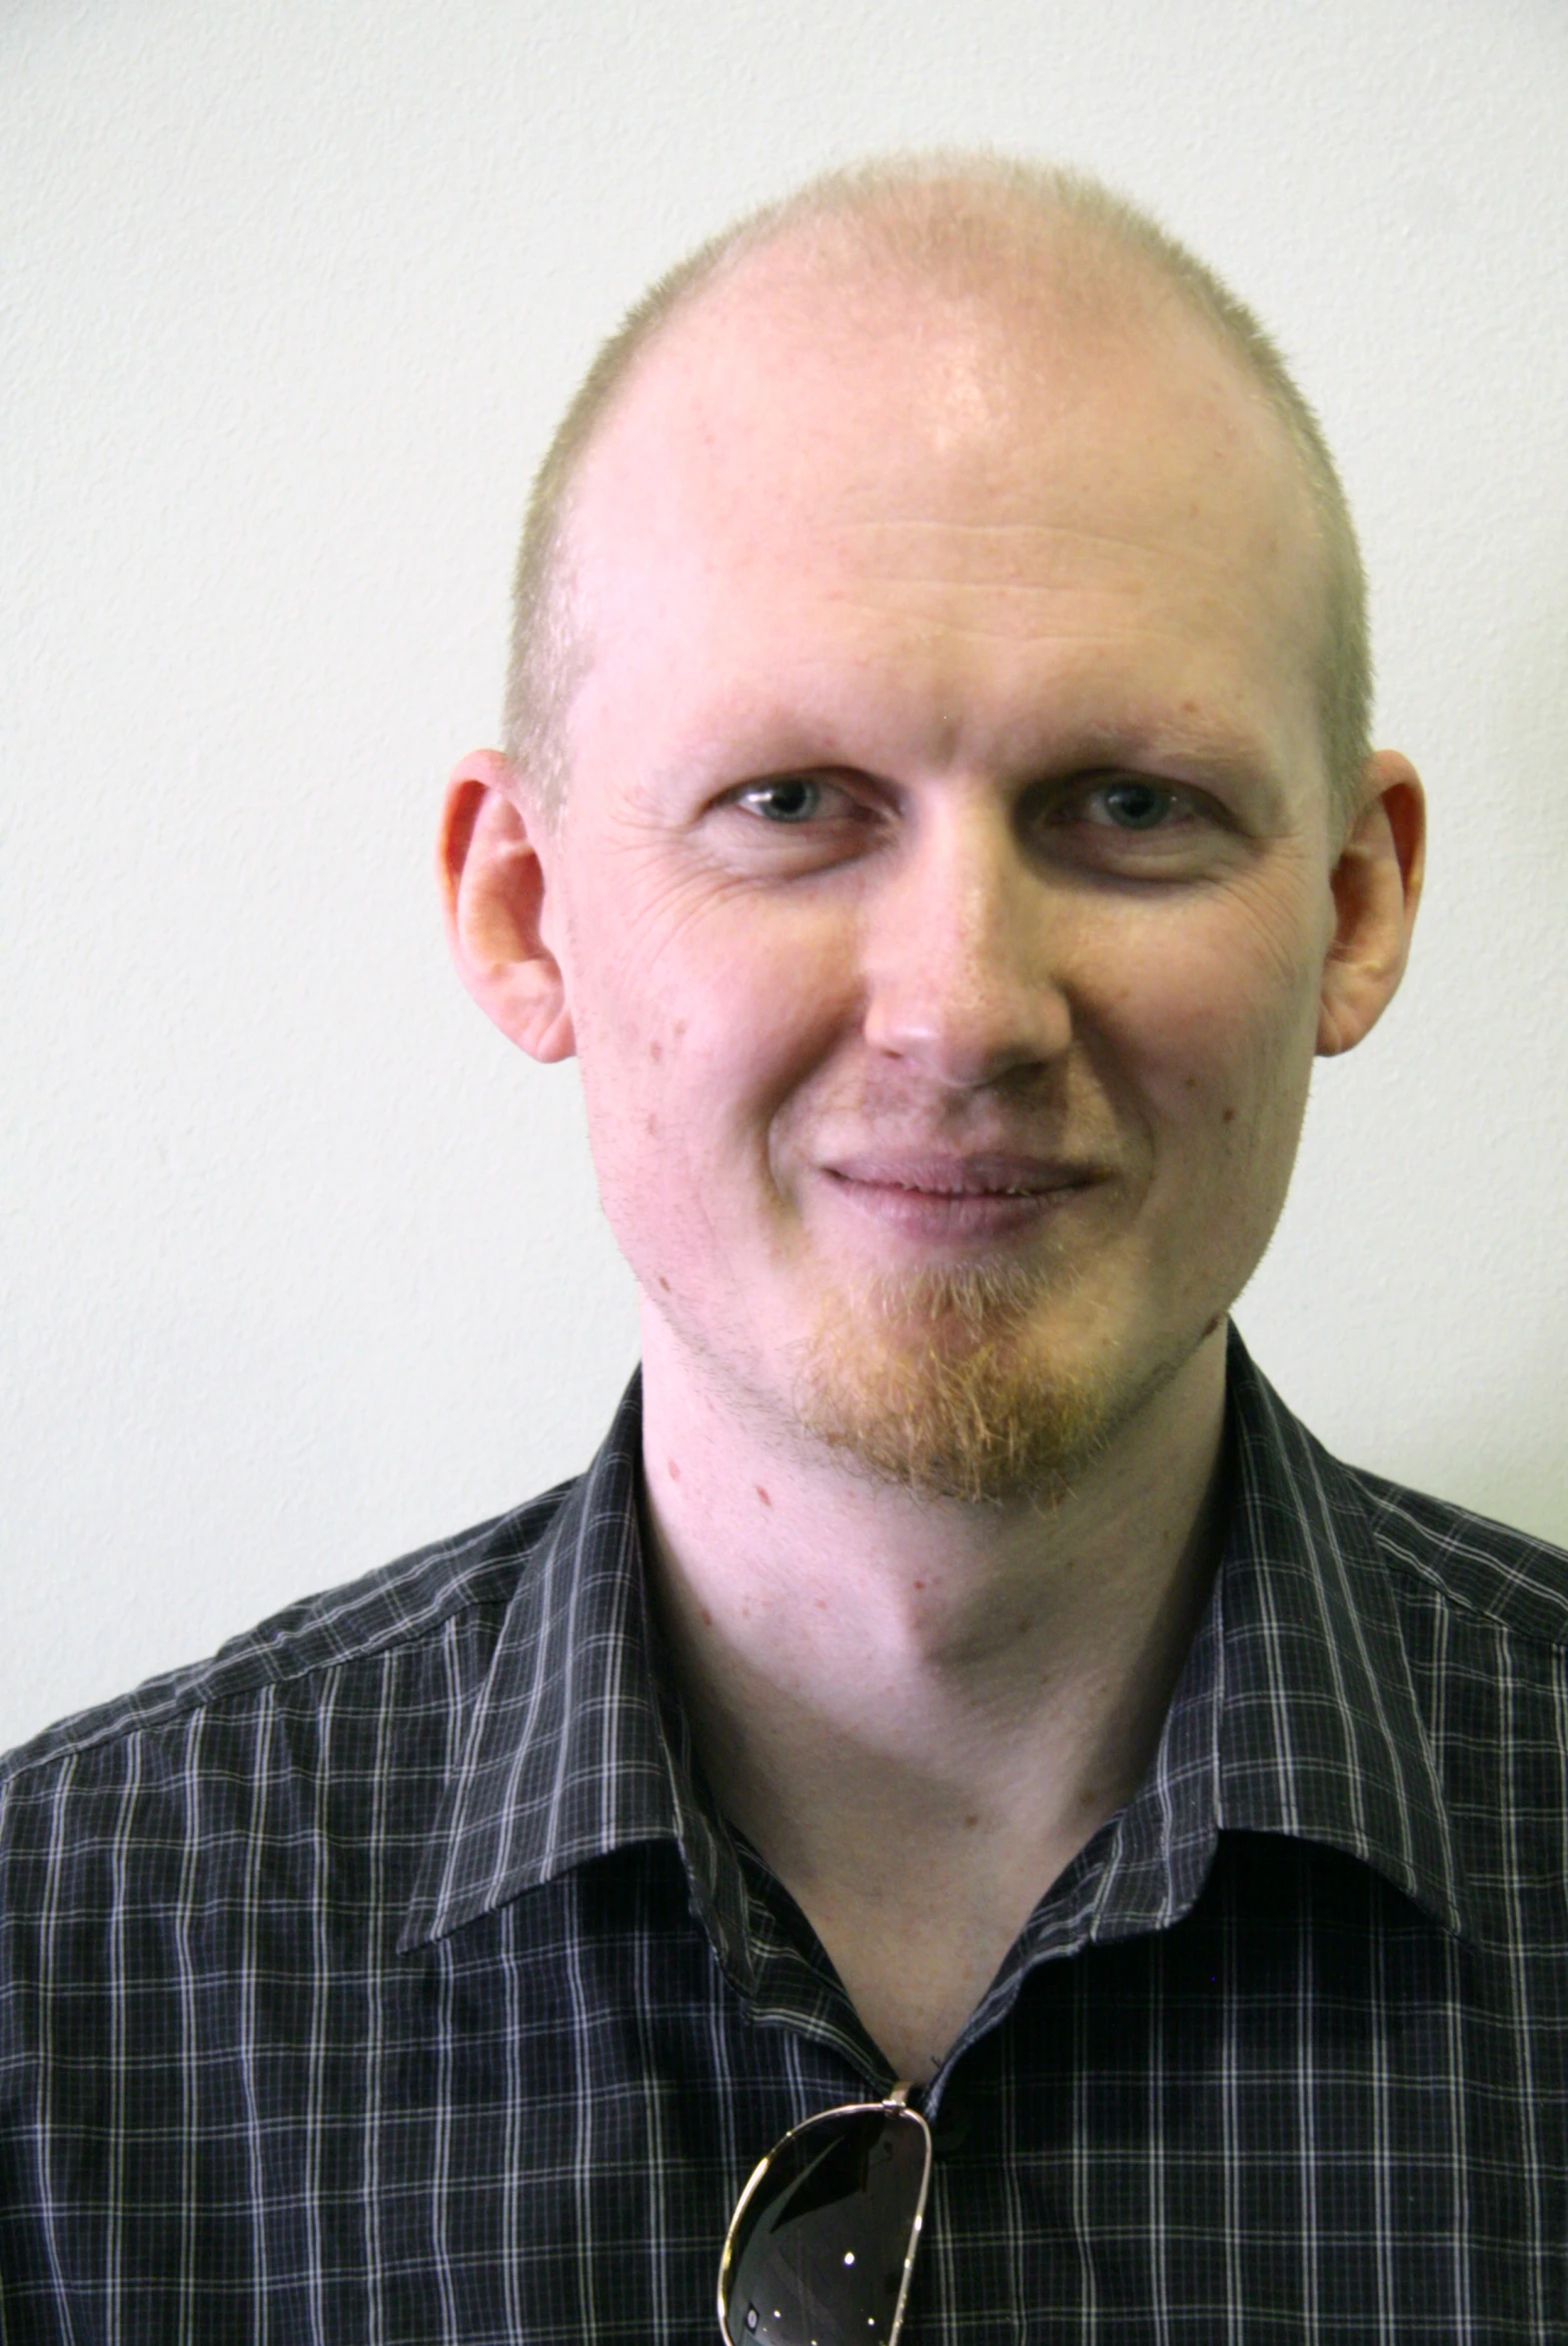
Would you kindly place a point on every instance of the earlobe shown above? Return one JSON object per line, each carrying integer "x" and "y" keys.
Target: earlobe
{"x": 1377, "y": 885}
{"x": 493, "y": 886}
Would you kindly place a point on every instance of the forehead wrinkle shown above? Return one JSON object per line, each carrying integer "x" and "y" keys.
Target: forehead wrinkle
{"x": 1267, "y": 518}
{"x": 1112, "y": 616}
{"x": 957, "y": 525}
{"x": 909, "y": 554}
{"x": 1121, "y": 587}
{"x": 954, "y": 626}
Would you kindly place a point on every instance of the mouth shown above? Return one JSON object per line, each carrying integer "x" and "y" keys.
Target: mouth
{"x": 933, "y": 1197}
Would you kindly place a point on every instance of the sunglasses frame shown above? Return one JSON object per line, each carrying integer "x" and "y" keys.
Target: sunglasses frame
{"x": 898, "y": 2100}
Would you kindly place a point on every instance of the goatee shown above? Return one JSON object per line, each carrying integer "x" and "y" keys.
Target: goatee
{"x": 944, "y": 1385}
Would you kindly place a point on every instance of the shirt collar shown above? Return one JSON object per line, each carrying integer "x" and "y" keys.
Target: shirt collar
{"x": 573, "y": 1746}
{"x": 1296, "y": 1714}
{"x": 1320, "y": 1731}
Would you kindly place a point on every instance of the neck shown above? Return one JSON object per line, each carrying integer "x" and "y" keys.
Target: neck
{"x": 846, "y": 1649}
{"x": 919, "y": 1712}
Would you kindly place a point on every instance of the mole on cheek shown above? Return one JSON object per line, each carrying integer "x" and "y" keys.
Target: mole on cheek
{"x": 763, "y": 1496}
{"x": 1230, "y": 1117}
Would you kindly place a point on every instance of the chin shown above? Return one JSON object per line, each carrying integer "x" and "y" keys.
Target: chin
{"x": 971, "y": 1386}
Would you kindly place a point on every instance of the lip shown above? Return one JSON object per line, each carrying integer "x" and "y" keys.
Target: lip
{"x": 933, "y": 1196}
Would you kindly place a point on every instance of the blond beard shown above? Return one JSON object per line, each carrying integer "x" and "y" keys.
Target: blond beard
{"x": 939, "y": 1384}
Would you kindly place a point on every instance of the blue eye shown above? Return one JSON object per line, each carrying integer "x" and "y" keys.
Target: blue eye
{"x": 795, "y": 797}
{"x": 1134, "y": 805}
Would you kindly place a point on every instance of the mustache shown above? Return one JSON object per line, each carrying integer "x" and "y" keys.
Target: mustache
{"x": 1028, "y": 1135}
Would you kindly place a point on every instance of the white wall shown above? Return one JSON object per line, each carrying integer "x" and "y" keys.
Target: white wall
{"x": 301, "y": 1265}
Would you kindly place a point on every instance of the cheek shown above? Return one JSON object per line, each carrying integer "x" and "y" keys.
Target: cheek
{"x": 1220, "y": 1015}
{"x": 696, "y": 1031}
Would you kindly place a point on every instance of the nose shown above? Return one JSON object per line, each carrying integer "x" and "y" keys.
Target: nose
{"x": 959, "y": 953}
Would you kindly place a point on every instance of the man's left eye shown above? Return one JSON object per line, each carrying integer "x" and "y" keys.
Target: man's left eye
{"x": 1130, "y": 804}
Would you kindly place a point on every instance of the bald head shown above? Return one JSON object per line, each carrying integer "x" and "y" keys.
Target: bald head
{"x": 916, "y": 271}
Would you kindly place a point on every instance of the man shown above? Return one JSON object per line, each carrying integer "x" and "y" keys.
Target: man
{"x": 939, "y": 819}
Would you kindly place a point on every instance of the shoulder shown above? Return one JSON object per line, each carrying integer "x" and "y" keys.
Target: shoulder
{"x": 449, "y": 1589}
{"x": 1433, "y": 1558}
{"x": 1482, "y": 1574}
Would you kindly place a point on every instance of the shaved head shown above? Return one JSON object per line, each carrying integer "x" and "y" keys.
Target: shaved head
{"x": 973, "y": 233}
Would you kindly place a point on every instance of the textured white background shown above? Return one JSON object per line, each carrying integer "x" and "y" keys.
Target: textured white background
{"x": 298, "y": 1265}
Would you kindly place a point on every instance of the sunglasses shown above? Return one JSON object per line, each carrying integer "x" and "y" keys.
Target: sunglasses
{"x": 821, "y": 2243}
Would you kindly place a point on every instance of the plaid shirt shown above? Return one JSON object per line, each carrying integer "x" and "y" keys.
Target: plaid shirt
{"x": 391, "y": 1978}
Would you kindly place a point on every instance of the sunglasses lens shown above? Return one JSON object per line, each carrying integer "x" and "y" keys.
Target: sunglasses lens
{"x": 819, "y": 2248}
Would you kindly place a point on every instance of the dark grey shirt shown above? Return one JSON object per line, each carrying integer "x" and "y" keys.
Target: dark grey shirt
{"x": 391, "y": 1978}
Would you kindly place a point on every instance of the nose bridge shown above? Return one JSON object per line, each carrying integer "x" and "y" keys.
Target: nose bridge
{"x": 959, "y": 958}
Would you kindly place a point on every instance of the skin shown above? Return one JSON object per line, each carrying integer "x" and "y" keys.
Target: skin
{"x": 946, "y": 879}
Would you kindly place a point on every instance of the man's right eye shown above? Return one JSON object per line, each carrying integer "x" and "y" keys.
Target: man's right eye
{"x": 793, "y": 798}
{"x": 790, "y": 824}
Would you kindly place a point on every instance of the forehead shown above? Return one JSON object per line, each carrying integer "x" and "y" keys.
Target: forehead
{"x": 809, "y": 465}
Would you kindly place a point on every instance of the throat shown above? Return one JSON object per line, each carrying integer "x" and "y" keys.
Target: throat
{"x": 916, "y": 1950}
{"x": 919, "y": 1711}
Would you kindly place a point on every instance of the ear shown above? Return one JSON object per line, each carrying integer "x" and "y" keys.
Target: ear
{"x": 1376, "y": 885}
{"x": 493, "y": 894}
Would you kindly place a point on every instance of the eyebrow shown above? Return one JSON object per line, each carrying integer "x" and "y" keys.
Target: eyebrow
{"x": 786, "y": 739}
{"x": 1226, "y": 753}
